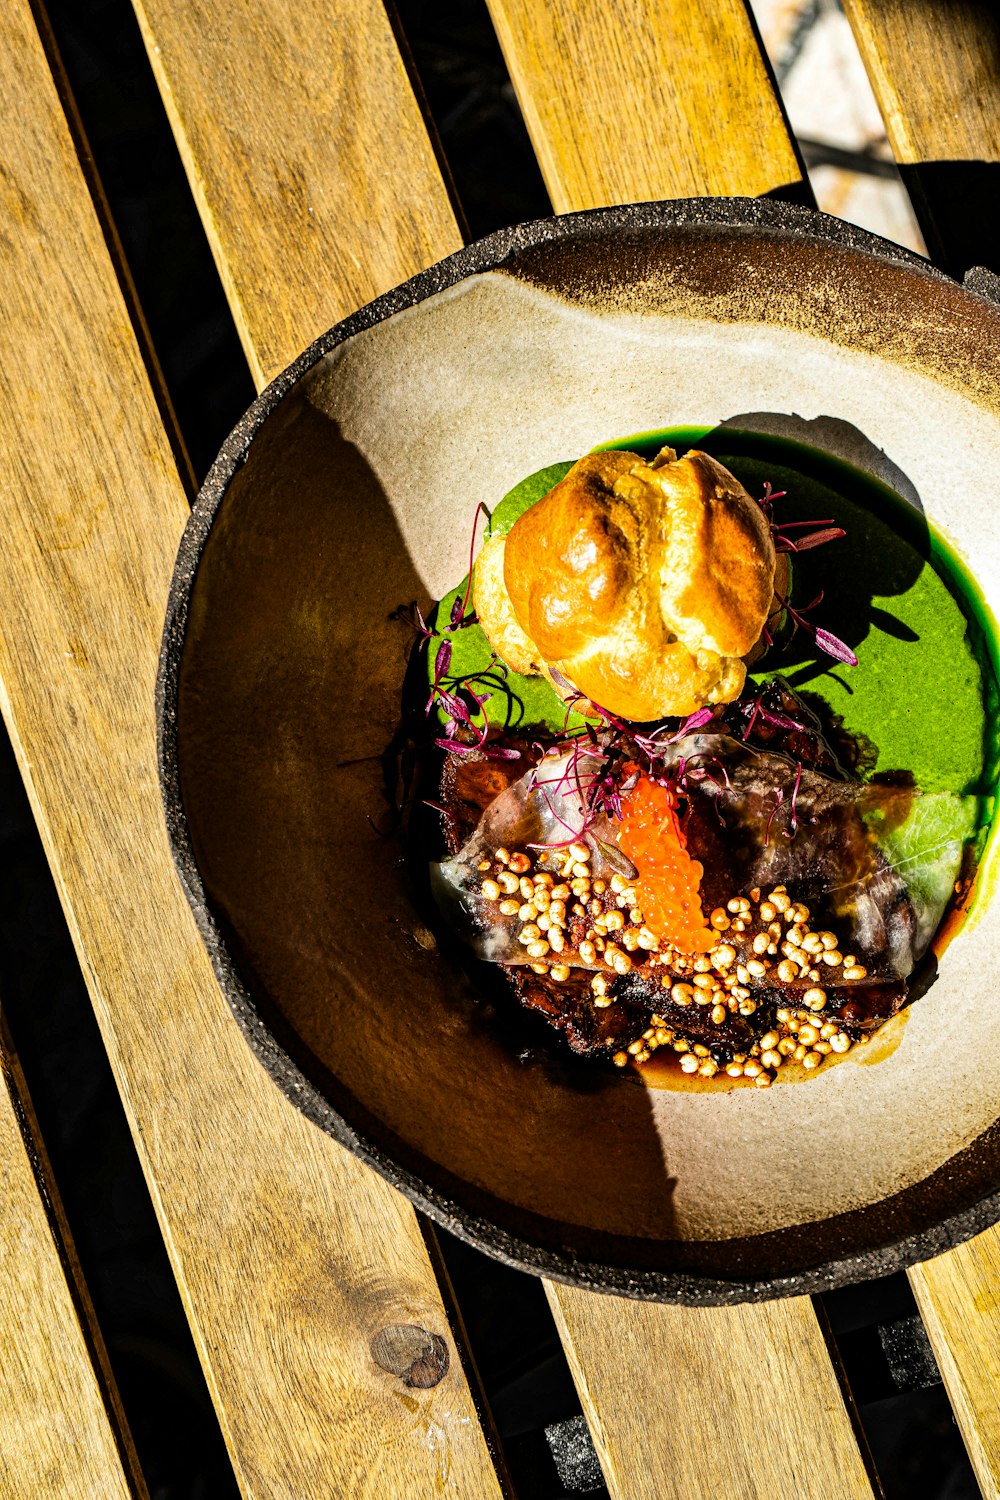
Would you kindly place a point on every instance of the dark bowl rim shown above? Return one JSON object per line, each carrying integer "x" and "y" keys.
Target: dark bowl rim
{"x": 491, "y": 254}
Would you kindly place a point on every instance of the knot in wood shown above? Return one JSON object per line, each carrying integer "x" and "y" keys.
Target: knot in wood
{"x": 419, "y": 1358}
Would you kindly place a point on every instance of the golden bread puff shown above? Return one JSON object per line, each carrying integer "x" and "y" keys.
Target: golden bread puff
{"x": 644, "y": 584}
{"x": 491, "y": 602}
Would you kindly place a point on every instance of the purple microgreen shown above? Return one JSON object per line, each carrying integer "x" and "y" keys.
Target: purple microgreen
{"x": 451, "y": 706}
{"x": 697, "y": 720}
{"x": 835, "y": 647}
{"x": 779, "y": 797}
{"x": 796, "y": 525}
{"x": 715, "y": 761}
{"x": 442, "y": 661}
{"x": 793, "y": 821}
{"x": 480, "y": 510}
{"x": 769, "y": 495}
{"x": 562, "y": 780}
{"x": 814, "y": 539}
{"x": 753, "y": 711}
{"x": 780, "y": 721}
{"x": 459, "y": 619}
{"x": 828, "y": 530}
{"x": 827, "y": 642}
{"x": 574, "y": 834}
{"x": 412, "y": 615}
{"x": 698, "y": 774}
{"x": 565, "y": 686}
{"x": 459, "y": 703}
{"x": 571, "y": 703}
{"x": 650, "y": 744}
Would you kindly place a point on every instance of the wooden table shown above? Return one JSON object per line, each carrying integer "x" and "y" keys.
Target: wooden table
{"x": 320, "y": 185}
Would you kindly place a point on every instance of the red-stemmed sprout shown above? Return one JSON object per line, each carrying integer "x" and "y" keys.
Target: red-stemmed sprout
{"x": 604, "y": 763}
{"x": 755, "y": 710}
{"x": 827, "y": 642}
{"x": 463, "y": 706}
{"x": 793, "y": 808}
{"x": 413, "y": 616}
{"x": 793, "y": 822}
{"x": 828, "y": 531}
{"x": 460, "y": 617}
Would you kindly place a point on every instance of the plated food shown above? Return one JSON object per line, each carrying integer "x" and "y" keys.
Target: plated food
{"x": 693, "y": 865}
{"x": 349, "y": 488}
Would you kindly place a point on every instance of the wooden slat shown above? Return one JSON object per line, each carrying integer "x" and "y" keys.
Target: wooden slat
{"x": 298, "y": 127}
{"x": 935, "y": 71}
{"x": 694, "y": 1403}
{"x": 61, "y": 1431}
{"x": 959, "y": 1299}
{"x": 641, "y": 99}
{"x": 738, "y": 1402}
{"x": 291, "y": 1257}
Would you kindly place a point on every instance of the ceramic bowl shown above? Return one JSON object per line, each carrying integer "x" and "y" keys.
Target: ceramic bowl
{"x": 346, "y": 491}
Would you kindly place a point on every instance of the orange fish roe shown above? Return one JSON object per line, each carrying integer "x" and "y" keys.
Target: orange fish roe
{"x": 668, "y": 878}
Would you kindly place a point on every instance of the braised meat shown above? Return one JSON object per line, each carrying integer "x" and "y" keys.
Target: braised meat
{"x": 814, "y": 927}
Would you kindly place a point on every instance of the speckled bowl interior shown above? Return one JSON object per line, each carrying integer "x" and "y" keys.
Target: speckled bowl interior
{"x": 348, "y": 490}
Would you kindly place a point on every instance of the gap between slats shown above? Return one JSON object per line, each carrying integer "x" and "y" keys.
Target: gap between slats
{"x": 71, "y": 1424}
